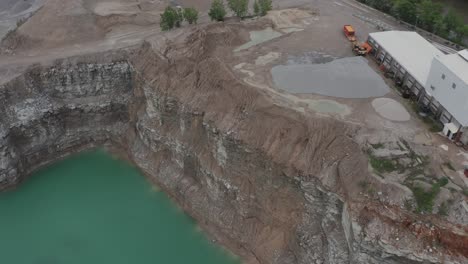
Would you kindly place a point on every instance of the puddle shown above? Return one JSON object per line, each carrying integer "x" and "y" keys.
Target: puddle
{"x": 257, "y": 37}
{"x": 345, "y": 78}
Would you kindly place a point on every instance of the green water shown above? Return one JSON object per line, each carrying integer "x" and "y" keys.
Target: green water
{"x": 93, "y": 209}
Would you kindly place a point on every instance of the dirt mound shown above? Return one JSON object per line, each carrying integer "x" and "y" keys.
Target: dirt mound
{"x": 70, "y": 22}
{"x": 290, "y": 18}
{"x": 57, "y": 23}
{"x": 307, "y": 150}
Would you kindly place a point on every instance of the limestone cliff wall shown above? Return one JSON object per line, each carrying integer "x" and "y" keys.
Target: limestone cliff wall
{"x": 55, "y": 110}
{"x": 269, "y": 183}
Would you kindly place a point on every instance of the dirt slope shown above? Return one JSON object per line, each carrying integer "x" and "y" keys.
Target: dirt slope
{"x": 68, "y": 22}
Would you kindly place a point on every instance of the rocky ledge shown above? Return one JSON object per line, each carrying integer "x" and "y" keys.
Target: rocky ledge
{"x": 267, "y": 182}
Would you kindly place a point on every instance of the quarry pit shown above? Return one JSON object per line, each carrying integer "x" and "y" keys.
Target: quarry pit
{"x": 273, "y": 173}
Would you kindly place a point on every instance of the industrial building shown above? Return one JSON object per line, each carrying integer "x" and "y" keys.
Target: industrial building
{"x": 437, "y": 81}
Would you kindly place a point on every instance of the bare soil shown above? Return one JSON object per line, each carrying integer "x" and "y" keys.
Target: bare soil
{"x": 64, "y": 28}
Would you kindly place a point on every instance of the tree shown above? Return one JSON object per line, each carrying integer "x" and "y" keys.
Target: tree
{"x": 191, "y": 15}
{"x": 239, "y": 7}
{"x": 429, "y": 12}
{"x": 460, "y": 33}
{"x": 265, "y": 6}
{"x": 440, "y": 27}
{"x": 256, "y": 8}
{"x": 169, "y": 19}
{"x": 405, "y": 10}
{"x": 179, "y": 16}
{"x": 217, "y": 11}
{"x": 452, "y": 20}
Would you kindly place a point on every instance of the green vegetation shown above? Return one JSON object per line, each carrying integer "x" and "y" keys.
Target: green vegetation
{"x": 378, "y": 145}
{"x": 385, "y": 165}
{"x": 442, "y": 182}
{"x": 425, "y": 14}
{"x": 239, "y": 7}
{"x": 256, "y": 8}
{"x": 265, "y": 6}
{"x": 449, "y": 166}
{"x": 425, "y": 199}
{"x": 171, "y": 18}
{"x": 382, "y": 165}
{"x": 217, "y": 11}
{"x": 191, "y": 15}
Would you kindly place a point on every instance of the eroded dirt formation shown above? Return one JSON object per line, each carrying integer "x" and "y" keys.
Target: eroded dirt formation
{"x": 270, "y": 183}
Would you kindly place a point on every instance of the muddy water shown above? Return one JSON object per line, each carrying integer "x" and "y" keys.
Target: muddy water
{"x": 257, "y": 37}
{"x": 96, "y": 210}
{"x": 345, "y": 78}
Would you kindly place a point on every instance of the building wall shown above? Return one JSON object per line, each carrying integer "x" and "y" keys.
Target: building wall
{"x": 454, "y": 100}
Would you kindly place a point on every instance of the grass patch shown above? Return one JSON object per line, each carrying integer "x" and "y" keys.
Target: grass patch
{"x": 449, "y": 166}
{"x": 378, "y": 145}
{"x": 425, "y": 199}
{"x": 382, "y": 165}
{"x": 442, "y": 182}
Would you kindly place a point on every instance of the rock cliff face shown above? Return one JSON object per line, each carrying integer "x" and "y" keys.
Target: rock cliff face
{"x": 269, "y": 183}
{"x": 52, "y": 111}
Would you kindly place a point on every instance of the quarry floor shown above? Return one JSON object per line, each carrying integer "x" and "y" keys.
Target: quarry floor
{"x": 309, "y": 35}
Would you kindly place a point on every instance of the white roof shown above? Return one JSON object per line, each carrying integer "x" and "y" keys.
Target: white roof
{"x": 457, "y": 64}
{"x": 464, "y": 54}
{"x": 410, "y": 50}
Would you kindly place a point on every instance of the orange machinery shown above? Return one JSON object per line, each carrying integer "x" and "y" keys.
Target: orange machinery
{"x": 349, "y": 32}
{"x": 361, "y": 49}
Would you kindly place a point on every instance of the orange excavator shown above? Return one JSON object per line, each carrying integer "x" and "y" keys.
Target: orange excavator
{"x": 360, "y": 49}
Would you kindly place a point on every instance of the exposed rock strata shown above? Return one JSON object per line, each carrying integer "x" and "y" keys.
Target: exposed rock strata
{"x": 268, "y": 182}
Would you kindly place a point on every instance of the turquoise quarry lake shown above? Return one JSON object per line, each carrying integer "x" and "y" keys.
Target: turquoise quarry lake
{"x": 94, "y": 209}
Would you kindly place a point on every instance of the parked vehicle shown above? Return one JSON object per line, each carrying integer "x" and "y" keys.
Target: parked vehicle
{"x": 349, "y": 33}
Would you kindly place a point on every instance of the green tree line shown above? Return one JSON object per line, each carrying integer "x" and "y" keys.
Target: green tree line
{"x": 425, "y": 14}
{"x": 173, "y": 17}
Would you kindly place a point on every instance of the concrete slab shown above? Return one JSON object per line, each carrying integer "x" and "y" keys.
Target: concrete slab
{"x": 390, "y": 109}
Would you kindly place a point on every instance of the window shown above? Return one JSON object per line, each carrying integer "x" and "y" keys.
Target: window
{"x": 454, "y": 85}
{"x": 432, "y": 87}
{"x": 443, "y": 76}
